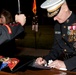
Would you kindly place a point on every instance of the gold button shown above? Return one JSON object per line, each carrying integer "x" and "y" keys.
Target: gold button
{"x": 63, "y": 34}
{"x": 65, "y": 50}
{"x": 64, "y": 26}
{"x": 65, "y": 43}
{"x": 67, "y": 21}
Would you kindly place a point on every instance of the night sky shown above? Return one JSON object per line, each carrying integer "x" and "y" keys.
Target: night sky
{"x": 26, "y": 7}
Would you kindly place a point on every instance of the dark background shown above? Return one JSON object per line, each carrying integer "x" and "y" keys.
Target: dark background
{"x": 26, "y": 8}
{"x": 44, "y": 37}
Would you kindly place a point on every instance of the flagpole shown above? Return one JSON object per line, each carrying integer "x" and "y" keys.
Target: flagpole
{"x": 35, "y": 24}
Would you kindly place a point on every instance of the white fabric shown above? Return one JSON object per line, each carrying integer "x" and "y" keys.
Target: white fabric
{"x": 54, "y": 6}
{"x": 21, "y": 18}
{"x": 51, "y": 4}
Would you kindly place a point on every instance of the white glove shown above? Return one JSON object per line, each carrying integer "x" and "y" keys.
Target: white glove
{"x": 21, "y": 18}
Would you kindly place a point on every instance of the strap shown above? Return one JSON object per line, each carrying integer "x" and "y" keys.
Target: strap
{"x": 9, "y": 29}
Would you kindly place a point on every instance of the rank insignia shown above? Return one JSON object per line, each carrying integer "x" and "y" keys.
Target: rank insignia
{"x": 57, "y": 32}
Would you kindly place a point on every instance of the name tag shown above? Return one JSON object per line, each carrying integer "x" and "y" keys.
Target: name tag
{"x": 57, "y": 32}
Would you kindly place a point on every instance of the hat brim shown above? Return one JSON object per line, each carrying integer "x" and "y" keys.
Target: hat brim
{"x": 49, "y": 3}
{"x": 55, "y": 7}
{"x": 52, "y": 5}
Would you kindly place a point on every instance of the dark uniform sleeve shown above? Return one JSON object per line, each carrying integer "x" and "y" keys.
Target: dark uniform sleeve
{"x": 56, "y": 50}
{"x": 71, "y": 63}
{"x": 9, "y": 32}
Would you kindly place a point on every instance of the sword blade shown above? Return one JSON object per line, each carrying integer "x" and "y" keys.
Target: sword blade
{"x": 19, "y": 11}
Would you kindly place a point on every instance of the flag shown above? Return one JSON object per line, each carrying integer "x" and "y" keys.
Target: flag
{"x": 3, "y": 65}
{"x": 3, "y": 62}
{"x": 12, "y": 63}
{"x": 34, "y": 7}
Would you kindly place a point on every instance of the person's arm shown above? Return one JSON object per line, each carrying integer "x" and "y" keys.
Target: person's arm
{"x": 70, "y": 63}
{"x": 8, "y": 32}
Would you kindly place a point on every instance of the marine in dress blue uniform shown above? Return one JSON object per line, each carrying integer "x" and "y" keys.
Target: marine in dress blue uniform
{"x": 64, "y": 37}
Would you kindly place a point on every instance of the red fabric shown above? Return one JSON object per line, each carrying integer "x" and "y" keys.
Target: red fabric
{"x": 9, "y": 29}
{"x": 34, "y": 7}
{"x": 12, "y": 63}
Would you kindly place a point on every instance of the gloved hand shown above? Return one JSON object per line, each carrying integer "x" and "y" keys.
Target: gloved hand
{"x": 21, "y": 18}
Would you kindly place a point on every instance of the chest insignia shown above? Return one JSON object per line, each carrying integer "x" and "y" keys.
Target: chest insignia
{"x": 71, "y": 33}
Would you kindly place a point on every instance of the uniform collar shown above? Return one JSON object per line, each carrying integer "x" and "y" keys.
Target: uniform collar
{"x": 70, "y": 19}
